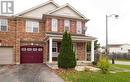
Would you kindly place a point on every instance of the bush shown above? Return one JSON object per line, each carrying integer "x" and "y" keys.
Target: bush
{"x": 94, "y": 62}
{"x": 66, "y": 58}
{"x": 103, "y": 64}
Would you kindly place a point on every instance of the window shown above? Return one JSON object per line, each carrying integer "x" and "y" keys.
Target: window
{"x": 54, "y": 47}
{"x": 67, "y": 25}
{"x": 79, "y": 27}
{"x": 54, "y": 24}
{"x": 32, "y": 26}
{"x": 3, "y": 25}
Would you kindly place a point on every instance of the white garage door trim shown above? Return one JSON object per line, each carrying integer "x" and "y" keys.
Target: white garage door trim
{"x": 6, "y": 55}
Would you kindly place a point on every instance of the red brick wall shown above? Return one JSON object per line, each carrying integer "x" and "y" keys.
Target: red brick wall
{"x": 73, "y": 27}
{"x": 8, "y": 38}
{"x": 48, "y": 24}
{"x": 81, "y": 51}
{"x": 61, "y": 25}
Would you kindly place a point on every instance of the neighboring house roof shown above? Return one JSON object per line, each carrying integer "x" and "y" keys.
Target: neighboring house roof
{"x": 38, "y": 7}
{"x": 69, "y": 7}
{"x": 117, "y": 45}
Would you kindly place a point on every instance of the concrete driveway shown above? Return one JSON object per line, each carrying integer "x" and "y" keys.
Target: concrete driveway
{"x": 28, "y": 73}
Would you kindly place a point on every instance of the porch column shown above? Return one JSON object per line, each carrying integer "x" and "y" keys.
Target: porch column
{"x": 50, "y": 50}
{"x": 92, "y": 50}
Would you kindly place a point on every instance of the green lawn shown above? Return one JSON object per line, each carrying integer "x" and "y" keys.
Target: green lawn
{"x": 74, "y": 76}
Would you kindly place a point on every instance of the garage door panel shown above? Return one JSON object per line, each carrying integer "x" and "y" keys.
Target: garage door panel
{"x": 6, "y": 55}
{"x": 31, "y": 54}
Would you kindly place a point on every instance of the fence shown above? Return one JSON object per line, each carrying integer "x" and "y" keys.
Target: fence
{"x": 119, "y": 56}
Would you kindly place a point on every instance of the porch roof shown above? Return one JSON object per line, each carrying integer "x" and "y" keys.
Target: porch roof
{"x": 75, "y": 37}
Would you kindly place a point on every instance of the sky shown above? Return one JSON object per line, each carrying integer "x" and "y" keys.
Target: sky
{"x": 96, "y": 11}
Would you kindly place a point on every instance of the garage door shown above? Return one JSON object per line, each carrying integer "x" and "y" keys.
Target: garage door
{"x": 31, "y": 54}
{"x": 6, "y": 55}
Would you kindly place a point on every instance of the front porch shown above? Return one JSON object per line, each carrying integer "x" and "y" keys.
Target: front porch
{"x": 79, "y": 45}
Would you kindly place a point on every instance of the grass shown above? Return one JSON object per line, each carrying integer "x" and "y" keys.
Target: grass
{"x": 126, "y": 60}
{"x": 74, "y": 76}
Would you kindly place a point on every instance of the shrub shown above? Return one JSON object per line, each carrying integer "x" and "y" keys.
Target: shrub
{"x": 103, "y": 64}
{"x": 66, "y": 58}
{"x": 94, "y": 62}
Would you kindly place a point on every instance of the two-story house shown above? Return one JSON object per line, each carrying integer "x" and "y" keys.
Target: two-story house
{"x": 34, "y": 35}
{"x": 119, "y": 48}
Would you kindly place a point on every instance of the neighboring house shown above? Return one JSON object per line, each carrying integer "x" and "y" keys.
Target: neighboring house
{"x": 34, "y": 36}
{"x": 119, "y": 48}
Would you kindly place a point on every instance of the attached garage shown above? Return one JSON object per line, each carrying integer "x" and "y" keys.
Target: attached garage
{"x": 6, "y": 55}
{"x": 31, "y": 54}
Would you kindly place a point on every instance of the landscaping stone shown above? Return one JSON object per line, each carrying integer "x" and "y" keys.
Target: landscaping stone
{"x": 81, "y": 66}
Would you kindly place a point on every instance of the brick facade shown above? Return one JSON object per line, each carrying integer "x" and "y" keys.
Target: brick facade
{"x": 17, "y": 36}
{"x": 81, "y": 51}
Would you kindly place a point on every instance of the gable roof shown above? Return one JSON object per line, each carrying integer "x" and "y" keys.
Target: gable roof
{"x": 36, "y": 7}
{"x": 67, "y": 5}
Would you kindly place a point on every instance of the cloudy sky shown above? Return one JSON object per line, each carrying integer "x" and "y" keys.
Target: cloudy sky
{"x": 96, "y": 10}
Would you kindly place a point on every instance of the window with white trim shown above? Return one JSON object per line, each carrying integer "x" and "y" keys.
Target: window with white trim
{"x": 3, "y": 25}
{"x": 32, "y": 26}
{"x": 54, "y": 47}
{"x": 54, "y": 24}
{"x": 66, "y": 25}
{"x": 79, "y": 27}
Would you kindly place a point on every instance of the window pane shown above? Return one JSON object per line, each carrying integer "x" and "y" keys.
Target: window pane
{"x": 54, "y": 50}
{"x": 66, "y": 25}
{"x": 29, "y": 26}
{"x": 3, "y": 28}
{"x": 54, "y": 47}
{"x": 54, "y": 44}
{"x": 35, "y": 29}
{"x": 32, "y": 26}
{"x": 35, "y": 26}
{"x": 79, "y": 27}
{"x": 54, "y": 24}
{"x": 3, "y": 24}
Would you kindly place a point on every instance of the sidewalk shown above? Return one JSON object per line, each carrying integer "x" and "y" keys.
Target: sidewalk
{"x": 121, "y": 62}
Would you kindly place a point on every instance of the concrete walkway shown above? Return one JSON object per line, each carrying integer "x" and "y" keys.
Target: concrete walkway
{"x": 28, "y": 73}
{"x": 121, "y": 62}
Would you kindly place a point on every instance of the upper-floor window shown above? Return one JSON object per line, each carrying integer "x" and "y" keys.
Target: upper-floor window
{"x": 54, "y": 24}
{"x": 66, "y": 25}
{"x": 79, "y": 27}
{"x": 3, "y": 25}
{"x": 32, "y": 26}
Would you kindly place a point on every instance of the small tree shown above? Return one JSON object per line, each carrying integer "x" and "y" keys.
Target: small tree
{"x": 103, "y": 64}
{"x": 66, "y": 58}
